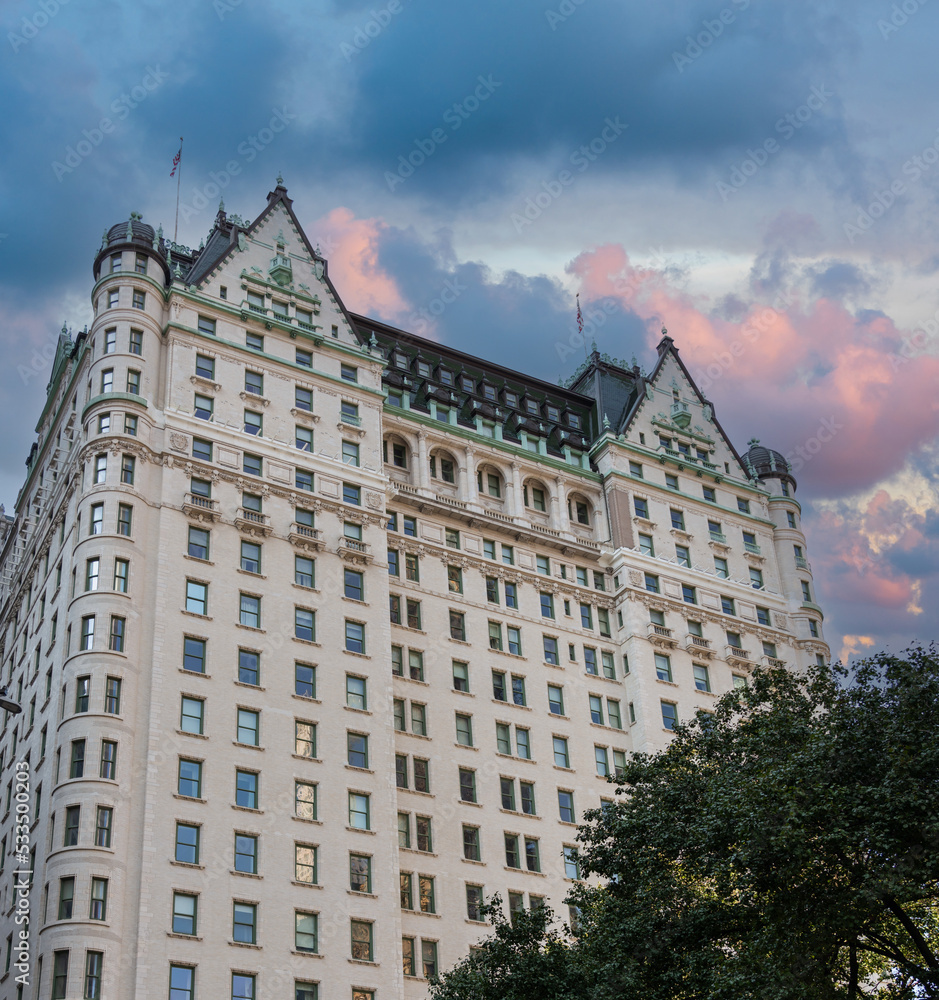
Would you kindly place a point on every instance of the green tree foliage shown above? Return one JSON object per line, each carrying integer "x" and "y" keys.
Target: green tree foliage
{"x": 522, "y": 960}
{"x": 783, "y": 847}
{"x": 786, "y": 846}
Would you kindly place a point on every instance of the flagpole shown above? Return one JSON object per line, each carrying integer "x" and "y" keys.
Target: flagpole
{"x": 580, "y": 326}
{"x": 179, "y": 177}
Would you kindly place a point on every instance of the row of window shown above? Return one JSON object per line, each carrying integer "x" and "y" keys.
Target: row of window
{"x": 407, "y": 525}
{"x": 138, "y": 298}
{"x": 134, "y": 342}
{"x": 641, "y": 509}
{"x": 127, "y": 470}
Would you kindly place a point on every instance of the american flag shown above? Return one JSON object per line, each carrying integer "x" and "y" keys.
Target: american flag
{"x": 580, "y": 318}
{"x": 176, "y": 159}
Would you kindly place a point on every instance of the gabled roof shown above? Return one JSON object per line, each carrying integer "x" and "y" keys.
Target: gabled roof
{"x": 223, "y": 241}
{"x": 666, "y": 348}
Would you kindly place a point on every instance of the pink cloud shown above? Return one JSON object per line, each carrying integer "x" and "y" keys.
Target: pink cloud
{"x": 351, "y": 247}
{"x": 833, "y": 392}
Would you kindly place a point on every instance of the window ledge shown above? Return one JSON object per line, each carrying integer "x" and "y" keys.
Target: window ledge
{"x": 355, "y": 600}
{"x": 516, "y": 812}
{"x": 234, "y": 871}
{"x": 254, "y": 687}
{"x": 358, "y": 829}
{"x": 306, "y": 954}
{"x": 306, "y": 885}
{"x": 360, "y": 770}
{"x": 303, "y": 819}
{"x": 299, "y": 756}
{"x": 459, "y": 642}
{"x": 192, "y": 614}
{"x": 194, "y": 673}
{"x": 470, "y": 861}
{"x": 198, "y": 736}
{"x": 248, "y": 572}
{"x": 524, "y": 871}
{"x": 362, "y": 961}
{"x": 184, "y": 937}
{"x": 247, "y": 809}
{"x": 187, "y": 864}
{"x": 250, "y": 628}
{"x": 306, "y": 642}
{"x": 366, "y": 895}
{"x": 359, "y": 711}
{"x": 466, "y": 802}
{"x": 243, "y": 944}
{"x": 466, "y": 746}
{"x": 247, "y": 746}
{"x": 349, "y": 652}
{"x": 304, "y": 588}
{"x": 188, "y": 798}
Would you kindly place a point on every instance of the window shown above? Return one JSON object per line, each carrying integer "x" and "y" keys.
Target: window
{"x": 189, "y": 782}
{"x": 464, "y": 729}
{"x": 555, "y": 700}
{"x": 248, "y": 728}
{"x": 663, "y": 667}
{"x": 683, "y": 555}
{"x": 128, "y": 465}
{"x": 100, "y": 473}
{"x": 460, "y": 676}
{"x": 202, "y": 449}
{"x": 357, "y": 749}
{"x": 203, "y": 406}
{"x": 603, "y": 761}
{"x": 596, "y": 709}
{"x": 813, "y": 628}
{"x": 671, "y": 481}
{"x": 305, "y": 863}
{"x": 806, "y": 591}
{"x": 349, "y": 413}
{"x": 355, "y": 632}
{"x": 362, "y": 943}
{"x": 191, "y": 715}
{"x": 305, "y": 739}
{"x": 104, "y": 423}
{"x": 246, "y": 789}
{"x": 305, "y": 932}
{"x": 182, "y": 982}
{"x": 249, "y": 612}
{"x": 253, "y": 423}
{"x": 94, "y": 964}
{"x": 205, "y": 366}
{"x": 727, "y": 605}
{"x": 194, "y": 654}
{"x": 243, "y": 986}
{"x": 103, "y": 818}
{"x": 184, "y": 913}
{"x": 709, "y": 494}
{"x": 304, "y": 800}
{"x": 108, "y": 767}
{"x": 458, "y": 626}
{"x": 790, "y": 519}
{"x": 133, "y": 381}
{"x": 197, "y": 597}
{"x": 669, "y": 715}
{"x": 98, "y": 909}
{"x": 652, "y": 583}
{"x": 244, "y": 927}
{"x": 304, "y": 624}
{"x": 359, "y": 811}
{"x": 77, "y": 765}
{"x": 561, "y": 757}
{"x": 66, "y": 898}
{"x": 688, "y": 594}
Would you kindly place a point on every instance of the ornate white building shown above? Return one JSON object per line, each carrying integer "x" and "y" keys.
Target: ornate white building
{"x": 324, "y": 632}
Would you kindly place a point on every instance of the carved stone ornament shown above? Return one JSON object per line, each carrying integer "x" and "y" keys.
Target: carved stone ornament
{"x": 179, "y": 442}
{"x": 373, "y": 500}
{"x": 635, "y": 577}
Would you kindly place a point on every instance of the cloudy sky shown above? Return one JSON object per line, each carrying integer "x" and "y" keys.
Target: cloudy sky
{"x": 761, "y": 176}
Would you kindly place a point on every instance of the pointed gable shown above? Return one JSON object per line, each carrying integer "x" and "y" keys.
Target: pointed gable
{"x": 670, "y": 409}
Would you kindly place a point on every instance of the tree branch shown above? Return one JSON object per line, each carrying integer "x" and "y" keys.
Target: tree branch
{"x": 915, "y": 934}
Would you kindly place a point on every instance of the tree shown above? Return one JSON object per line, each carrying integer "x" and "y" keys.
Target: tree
{"x": 785, "y": 847}
{"x": 523, "y": 960}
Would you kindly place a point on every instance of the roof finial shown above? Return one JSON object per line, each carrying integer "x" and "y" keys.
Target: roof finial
{"x": 64, "y": 328}
{"x": 664, "y": 331}
{"x": 606, "y": 422}
{"x": 280, "y": 180}
{"x": 753, "y": 442}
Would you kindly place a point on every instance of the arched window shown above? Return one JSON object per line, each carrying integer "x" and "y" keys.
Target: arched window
{"x": 535, "y": 495}
{"x": 578, "y": 509}
{"x": 443, "y": 466}
{"x": 489, "y": 480}
{"x": 396, "y": 453}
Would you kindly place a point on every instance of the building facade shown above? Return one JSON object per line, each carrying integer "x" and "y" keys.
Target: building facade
{"x": 324, "y": 633}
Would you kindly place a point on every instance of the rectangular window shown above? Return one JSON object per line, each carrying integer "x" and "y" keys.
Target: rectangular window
{"x": 551, "y": 650}
{"x": 460, "y": 676}
{"x": 304, "y": 680}
{"x": 87, "y": 632}
{"x": 98, "y": 909}
{"x": 189, "y": 780}
{"x": 555, "y": 700}
{"x": 197, "y": 597}
{"x": 108, "y": 766}
{"x": 570, "y": 863}
{"x": 727, "y": 605}
{"x": 701, "y": 679}
{"x": 362, "y": 942}
{"x": 652, "y": 583}
{"x": 355, "y": 635}
{"x": 191, "y": 715}
{"x": 603, "y": 761}
{"x": 304, "y": 863}
{"x": 185, "y": 916}
{"x": 250, "y": 610}
{"x": 305, "y": 932}
{"x": 66, "y": 897}
{"x": 561, "y": 757}
{"x": 304, "y": 800}
{"x": 305, "y": 739}
{"x": 464, "y": 729}
{"x": 246, "y": 789}
{"x": 194, "y": 654}
{"x": 458, "y": 626}
{"x": 77, "y": 765}
{"x": 205, "y": 366}
{"x": 244, "y": 927}
{"x": 248, "y": 728}
{"x": 590, "y": 660}
{"x": 103, "y": 820}
{"x": 253, "y": 423}
{"x": 566, "y": 806}
{"x": 641, "y": 507}
{"x": 304, "y": 624}
{"x": 471, "y": 843}
{"x": 359, "y": 818}
{"x": 203, "y": 407}
{"x": 357, "y": 749}
{"x": 94, "y": 966}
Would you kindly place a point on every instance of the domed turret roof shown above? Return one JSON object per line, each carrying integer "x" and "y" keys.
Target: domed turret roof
{"x": 765, "y": 463}
{"x": 135, "y": 230}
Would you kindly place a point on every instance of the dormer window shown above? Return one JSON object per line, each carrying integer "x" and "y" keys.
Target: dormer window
{"x": 531, "y": 405}
{"x": 574, "y": 420}
{"x": 511, "y": 399}
{"x": 445, "y": 377}
{"x": 423, "y": 369}
{"x": 554, "y": 415}
{"x": 467, "y": 383}
{"x": 400, "y": 361}
{"x": 489, "y": 392}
